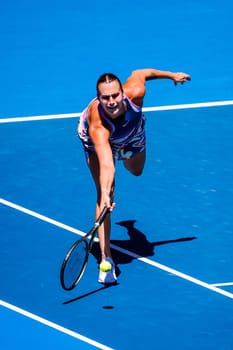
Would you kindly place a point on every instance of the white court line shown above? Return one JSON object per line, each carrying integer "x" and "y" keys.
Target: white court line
{"x": 127, "y": 252}
{"x": 144, "y": 109}
{"x": 39, "y": 117}
{"x": 225, "y": 284}
{"x": 41, "y": 217}
{"x": 54, "y": 325}
{"x": 188, "y": 106}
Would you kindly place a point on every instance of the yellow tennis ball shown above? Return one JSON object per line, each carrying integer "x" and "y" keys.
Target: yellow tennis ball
{"x": 105, "y": 266}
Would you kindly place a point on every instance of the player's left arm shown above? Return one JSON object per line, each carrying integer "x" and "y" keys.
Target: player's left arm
{"x": 135, "y": 86}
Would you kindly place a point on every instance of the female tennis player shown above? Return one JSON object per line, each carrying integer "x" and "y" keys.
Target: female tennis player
{"x": 112, "y": 127}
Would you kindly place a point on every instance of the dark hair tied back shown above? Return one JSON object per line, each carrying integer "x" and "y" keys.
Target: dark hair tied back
{"x": 107, "y": 78}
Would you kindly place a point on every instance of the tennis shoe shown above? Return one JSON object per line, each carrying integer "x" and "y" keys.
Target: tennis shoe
{"x": 108, "y": 277}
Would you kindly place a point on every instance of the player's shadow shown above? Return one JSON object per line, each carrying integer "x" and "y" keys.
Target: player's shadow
{"x": 136, "y": 244}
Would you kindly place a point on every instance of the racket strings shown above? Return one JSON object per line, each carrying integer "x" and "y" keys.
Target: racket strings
{"x": 75, "y": 261}
{"x": 74, "y": 264}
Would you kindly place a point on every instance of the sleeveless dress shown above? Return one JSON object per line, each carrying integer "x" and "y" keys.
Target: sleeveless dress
{"x": 127, "y": 136}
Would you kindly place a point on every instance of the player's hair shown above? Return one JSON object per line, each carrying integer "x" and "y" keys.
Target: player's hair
{"x": 107, "y": 78}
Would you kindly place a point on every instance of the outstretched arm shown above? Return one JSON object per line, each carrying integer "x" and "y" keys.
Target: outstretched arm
{"x": 104, "y": 170}
{"x": 149, "y": 74}
{"x": 135, "y": 84}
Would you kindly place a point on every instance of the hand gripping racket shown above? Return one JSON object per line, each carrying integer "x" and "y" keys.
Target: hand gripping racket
{"x": 75, "y": 261}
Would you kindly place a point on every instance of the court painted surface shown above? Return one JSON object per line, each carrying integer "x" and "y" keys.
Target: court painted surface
{"x": 172, "y": 227}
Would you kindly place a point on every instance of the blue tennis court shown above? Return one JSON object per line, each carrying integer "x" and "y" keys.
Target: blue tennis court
{"x": 172, "y": 227}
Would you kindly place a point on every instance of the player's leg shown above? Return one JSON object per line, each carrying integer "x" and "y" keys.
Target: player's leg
{"x": 136, "y": 164}
{"x": 105, "y": 228}
{"x": 136, "y": 151}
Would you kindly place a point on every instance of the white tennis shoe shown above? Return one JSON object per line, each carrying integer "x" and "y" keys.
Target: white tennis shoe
{"x": 110, "y": 276}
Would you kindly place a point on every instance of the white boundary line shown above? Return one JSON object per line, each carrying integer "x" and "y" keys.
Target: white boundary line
{"x": 225, "y": 284}
{"x": 54, "y": 325}
{"x": 39, "y": 117}
{"x": 127, "y": 252}
{"x": 188, "y": 106}
{"x": 174, "y": 272}
{"x": 41, "y": 217}
{"x": 144, "y": 109}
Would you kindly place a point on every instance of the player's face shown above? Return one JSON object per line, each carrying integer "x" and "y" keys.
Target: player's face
{"x": 111, "y": 98}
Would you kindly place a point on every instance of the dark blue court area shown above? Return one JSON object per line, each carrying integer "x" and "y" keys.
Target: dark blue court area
{"x": 172, "y": 228}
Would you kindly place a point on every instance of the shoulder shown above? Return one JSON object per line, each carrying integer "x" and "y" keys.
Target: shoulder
{"x": 134, "y": 88}
{"x": 93, "y": 111}
{"x": 95, "y": 119}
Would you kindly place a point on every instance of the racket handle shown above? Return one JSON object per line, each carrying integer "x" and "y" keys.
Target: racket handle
{"x": 102, "y": 216}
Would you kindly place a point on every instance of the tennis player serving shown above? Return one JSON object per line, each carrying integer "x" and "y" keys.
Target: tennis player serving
{"x": 112, "y": 127}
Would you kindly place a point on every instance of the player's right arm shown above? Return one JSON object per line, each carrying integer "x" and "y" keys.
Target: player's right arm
{"x": 100, "y": 137}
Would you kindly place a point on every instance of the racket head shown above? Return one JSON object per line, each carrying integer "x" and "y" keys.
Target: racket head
{"x": 75, "y": 261}
{"x": 74, "y": 264}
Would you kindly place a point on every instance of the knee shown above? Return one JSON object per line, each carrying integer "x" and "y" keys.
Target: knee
{"x": 137, "y": 172}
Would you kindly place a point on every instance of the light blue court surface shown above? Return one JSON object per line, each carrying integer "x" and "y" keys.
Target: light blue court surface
{"x": 172, "y": 227}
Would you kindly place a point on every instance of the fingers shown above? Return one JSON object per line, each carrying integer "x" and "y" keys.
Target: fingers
{"x": 107, "y": 201}
{"x": 181, "y": 78}
{"x": 112, "y": 206}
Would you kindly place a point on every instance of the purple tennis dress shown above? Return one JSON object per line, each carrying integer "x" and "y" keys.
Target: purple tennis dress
{"x": 127, "y": 131}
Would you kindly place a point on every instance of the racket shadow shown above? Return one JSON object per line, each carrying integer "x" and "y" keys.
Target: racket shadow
{"x": 88, "y": 294}
{"x": 137, "y": 244}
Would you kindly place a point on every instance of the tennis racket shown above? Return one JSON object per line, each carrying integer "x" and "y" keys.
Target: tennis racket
{"x": 75, "y": 261}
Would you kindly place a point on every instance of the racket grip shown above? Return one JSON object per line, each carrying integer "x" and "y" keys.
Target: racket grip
{"x": 102, "y": 215}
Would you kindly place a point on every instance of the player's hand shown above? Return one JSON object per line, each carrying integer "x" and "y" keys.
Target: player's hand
{"x": 107, "y": 200}
{"x": 181, "y": 78}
